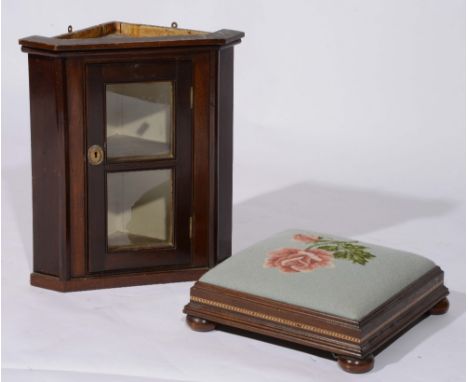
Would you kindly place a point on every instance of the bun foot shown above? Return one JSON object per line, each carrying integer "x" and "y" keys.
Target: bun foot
{"x": 356, "y": 365}
{"x": 441, "y": 307}
{"x": 199, "y": 324}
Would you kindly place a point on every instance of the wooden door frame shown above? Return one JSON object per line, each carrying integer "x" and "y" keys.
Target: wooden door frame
{"x": 100, "y": 259}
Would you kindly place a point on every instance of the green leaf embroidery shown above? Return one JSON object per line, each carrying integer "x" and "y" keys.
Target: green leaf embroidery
{"x": 345, "y": 250}
{"x": 329, "y": 248}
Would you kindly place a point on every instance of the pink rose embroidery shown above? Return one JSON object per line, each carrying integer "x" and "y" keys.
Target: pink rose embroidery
{"x": 319, "y": 252}
{"x": 306, "y": 238}
{"x": 299, "y": 260}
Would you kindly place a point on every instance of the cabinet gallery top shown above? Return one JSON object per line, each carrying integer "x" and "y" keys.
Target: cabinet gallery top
{"x": 120, "y": 35}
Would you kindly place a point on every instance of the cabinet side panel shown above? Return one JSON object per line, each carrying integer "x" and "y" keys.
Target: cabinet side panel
{"x": 48, "y": 165}
{"x": 77, "y": 166}
{"x": 224, "y": 153}
{"x": 203, "y": 160}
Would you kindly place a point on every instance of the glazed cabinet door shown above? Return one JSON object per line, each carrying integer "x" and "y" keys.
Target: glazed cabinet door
{"x": 139, "y": 165}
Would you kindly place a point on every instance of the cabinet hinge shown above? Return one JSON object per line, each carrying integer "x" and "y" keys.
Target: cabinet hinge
{"x": 191, "y": 97}
{"x": 190, "y": 227}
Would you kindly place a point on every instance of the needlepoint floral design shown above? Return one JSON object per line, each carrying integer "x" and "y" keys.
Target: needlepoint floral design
{"x": 299, "y": 260}
{"x": 319, "y": 253}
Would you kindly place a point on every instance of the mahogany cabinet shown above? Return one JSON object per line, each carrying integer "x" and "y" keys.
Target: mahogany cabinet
{"x": 131, "y": 134}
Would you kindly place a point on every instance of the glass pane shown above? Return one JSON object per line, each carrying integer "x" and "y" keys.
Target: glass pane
{"x": 139, "y": 120}
{"x": 139, "y": 209}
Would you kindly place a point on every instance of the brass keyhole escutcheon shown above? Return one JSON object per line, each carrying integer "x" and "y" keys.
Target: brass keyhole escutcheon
{"x": 95, "y": 155}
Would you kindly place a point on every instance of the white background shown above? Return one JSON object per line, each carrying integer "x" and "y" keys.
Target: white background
{"x": 349, "y": 118}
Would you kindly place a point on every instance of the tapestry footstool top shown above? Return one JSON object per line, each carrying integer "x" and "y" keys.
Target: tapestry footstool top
{"x": 326, "y": 273}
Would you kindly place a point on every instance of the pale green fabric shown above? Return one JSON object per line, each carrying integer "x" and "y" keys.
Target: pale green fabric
{"x": 347, "y": 290}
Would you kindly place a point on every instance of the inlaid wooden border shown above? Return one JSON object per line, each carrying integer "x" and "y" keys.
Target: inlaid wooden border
{"x": 339, "y": 335}
{"x": 275, "y": 319}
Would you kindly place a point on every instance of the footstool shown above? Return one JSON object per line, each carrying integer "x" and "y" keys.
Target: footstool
{"x": 338, "y": 295}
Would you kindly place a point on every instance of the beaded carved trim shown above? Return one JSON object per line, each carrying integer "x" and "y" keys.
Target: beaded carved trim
{"x": 279, "y": 320}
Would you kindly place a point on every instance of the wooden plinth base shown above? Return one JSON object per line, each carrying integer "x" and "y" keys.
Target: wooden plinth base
{"x": 353, "y": 342}
{"x": 115, "y": 281}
